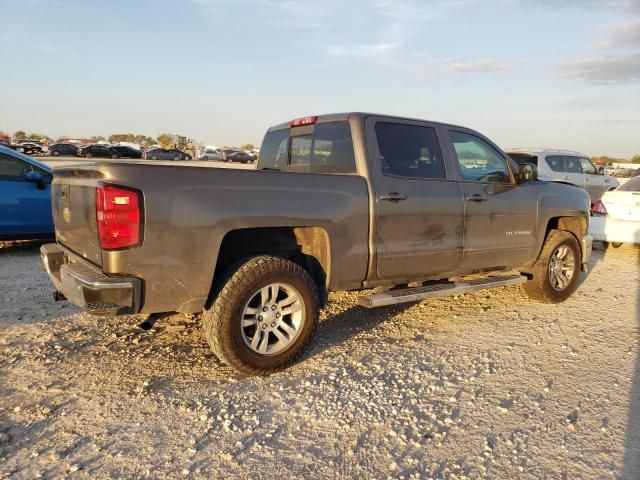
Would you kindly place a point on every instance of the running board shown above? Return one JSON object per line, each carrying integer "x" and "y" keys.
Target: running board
{"x": 418, "y": 294}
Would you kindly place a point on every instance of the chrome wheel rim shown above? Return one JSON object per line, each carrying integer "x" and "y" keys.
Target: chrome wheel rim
{"x": 272, "y": 319}
{"x": 561, "y": 267}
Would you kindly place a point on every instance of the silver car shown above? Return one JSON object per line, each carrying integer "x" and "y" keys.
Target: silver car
{"x": 210, "y": 155}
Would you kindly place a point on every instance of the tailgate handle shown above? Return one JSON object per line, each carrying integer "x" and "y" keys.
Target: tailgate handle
{"x": 393, "y": 197}
{"x": 476, "y": 197}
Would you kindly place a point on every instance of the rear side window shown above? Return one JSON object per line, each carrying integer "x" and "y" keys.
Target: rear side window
{"x": 522, "y": 158}
{"x": 556, "y": 163}
{"x": 329, "y": 149}
{"x": 410, "y": 151}
{"x": 632, "y": 185}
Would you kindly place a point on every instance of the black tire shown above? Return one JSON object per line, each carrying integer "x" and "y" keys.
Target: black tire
{"x": 222, "y": 322}
{"x": 616, "y": 244}
{"x": 55, "y": 153}
{"x": 88, "y": 155}
{"x": 154, "y": 157}
{"x": 176, "y": 158}
{"x": 540, "y": 287}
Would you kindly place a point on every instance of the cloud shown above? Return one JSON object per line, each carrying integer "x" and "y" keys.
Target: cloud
{"x": 621, "y": 69}
{"x": 376, "y": 50}
{"x": 622, "y": 35}
{"x": 480, "y": 66}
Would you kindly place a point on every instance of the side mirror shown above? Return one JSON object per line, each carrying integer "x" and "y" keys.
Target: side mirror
{"x": 601, "y": 171}
{"x": 35, "y": 177}
{"x": 528, "y": 172}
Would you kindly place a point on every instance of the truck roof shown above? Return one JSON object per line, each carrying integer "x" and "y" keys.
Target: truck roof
{"x": 336, "y": 117}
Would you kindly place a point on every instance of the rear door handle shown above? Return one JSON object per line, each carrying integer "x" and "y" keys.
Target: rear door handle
{"x": 476, "y": 197}
{"x": 393, "y": 197}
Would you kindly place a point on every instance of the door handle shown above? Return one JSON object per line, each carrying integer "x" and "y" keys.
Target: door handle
{"x": 393, "y": 197}
{"x": 476, "y": 197}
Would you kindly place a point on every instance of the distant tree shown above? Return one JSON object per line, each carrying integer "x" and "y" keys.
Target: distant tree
{"x": 144, "y": 140}
{"x": 20, "y": 135}
{"x": 165, "y": 139}
{"x": 635, "y": 159}
{"x": 247, "y": 146}
{"x": 122, "y": 137}
{"x": 98, "y": 138}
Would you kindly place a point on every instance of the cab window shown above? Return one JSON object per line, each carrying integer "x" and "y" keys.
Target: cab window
{"x": 478, "y": 160}
{"x": 411, "y": 151}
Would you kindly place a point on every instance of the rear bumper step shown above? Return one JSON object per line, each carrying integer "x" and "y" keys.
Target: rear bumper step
{"x": 439, "y": 290}
{"x": 88, "y": 287}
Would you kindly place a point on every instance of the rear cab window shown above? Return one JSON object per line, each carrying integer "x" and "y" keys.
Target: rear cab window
{"x": 327, "y": 148}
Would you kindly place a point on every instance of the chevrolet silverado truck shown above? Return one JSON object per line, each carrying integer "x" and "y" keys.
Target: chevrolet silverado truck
{"x": 405, "y": 209}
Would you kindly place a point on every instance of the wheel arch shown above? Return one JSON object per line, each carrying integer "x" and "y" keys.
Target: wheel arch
{"x": 308, "y": 246}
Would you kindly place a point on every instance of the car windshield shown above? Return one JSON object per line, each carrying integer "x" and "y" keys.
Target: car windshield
{"x": 632, "y": 185}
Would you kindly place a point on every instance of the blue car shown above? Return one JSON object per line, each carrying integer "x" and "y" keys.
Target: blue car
{"x": 25, "y": 197}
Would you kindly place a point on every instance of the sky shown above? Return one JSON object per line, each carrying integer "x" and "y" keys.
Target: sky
{"x": 534, "y": 73}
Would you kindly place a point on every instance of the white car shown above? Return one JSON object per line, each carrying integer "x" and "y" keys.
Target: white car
{"x": 616, "y": 216}
{"x": 566, "y": 166}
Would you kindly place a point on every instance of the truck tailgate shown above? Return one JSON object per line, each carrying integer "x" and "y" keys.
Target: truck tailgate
{"x": 73, "y": 198}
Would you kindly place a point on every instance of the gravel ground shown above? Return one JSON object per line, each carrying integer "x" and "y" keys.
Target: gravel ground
{"x": 486, "y": 385}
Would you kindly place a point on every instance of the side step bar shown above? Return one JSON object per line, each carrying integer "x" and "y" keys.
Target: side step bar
{"x": 418, "y": 294}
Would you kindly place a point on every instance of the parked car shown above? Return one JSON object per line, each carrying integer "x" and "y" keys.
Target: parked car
{"x": 28, "y": 148}
{"x": 616, "y": 216}
{"x": 338, "y": 202}
{"x": 98, "y": 151}
{"x": 241, "y": 157}
{"x": 25, "y": 197}
{"x": 63, "y": 149}
{"x": 167, "y": 154}
{"x": 211, "y": 155}
{"x": 566, "y": 166}
{"x": 127, "y": 152}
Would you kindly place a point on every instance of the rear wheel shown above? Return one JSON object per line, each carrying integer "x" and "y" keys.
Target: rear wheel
{"x": 557, "y": 270}
{"x": 88, "y": 155}
{"x": 55, "y": 153}
{"x": 264, "y": 315}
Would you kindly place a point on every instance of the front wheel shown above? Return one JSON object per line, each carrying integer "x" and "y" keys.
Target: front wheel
{"x": 557, "y": 270}
{"x": 264, "y": 315}
{"x": 88, "y": 155}
{"x": 55, "y": 153}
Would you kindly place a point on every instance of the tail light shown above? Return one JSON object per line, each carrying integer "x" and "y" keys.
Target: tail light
{"x": 598, "y": 207}
{"x": 119, "y": 215}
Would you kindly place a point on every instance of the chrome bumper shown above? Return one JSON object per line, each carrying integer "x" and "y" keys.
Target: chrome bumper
{"x": 87, "y": 287}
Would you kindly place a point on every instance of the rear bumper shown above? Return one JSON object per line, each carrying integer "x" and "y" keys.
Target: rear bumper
{"x": 608, "y": 229}
{"x": 88, "y": 287}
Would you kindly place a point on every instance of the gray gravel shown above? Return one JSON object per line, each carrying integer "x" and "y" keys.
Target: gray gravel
{"x": 486, "y": 385}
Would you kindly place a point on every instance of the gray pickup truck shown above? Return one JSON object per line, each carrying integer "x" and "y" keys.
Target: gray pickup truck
{"x": 407, "y": 209}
